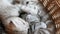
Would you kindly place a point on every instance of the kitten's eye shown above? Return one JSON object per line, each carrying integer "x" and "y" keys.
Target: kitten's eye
{"x": 27, "y": 2}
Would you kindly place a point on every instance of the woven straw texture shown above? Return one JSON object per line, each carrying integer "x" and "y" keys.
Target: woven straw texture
{"x": 53, "y": 7}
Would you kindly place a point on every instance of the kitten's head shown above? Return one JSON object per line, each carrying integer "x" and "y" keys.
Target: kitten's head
{"x": 16, "y": 25}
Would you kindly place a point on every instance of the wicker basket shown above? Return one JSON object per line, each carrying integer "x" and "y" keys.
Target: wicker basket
{"x": 53, "y": 7}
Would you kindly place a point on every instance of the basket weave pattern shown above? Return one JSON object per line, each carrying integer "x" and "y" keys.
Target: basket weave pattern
{"x": 53, "y": 7}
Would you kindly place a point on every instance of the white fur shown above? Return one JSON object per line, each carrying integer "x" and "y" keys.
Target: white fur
{"x": 19, "y": 24}
{"x": 33, "y": 8}
{"x": 7, "y": 9}
{"x": 10, "y": 12}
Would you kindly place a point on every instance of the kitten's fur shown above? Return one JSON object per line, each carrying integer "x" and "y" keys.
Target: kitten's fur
{"x": 33, "y": 7}
{"x": 9, "y": 16}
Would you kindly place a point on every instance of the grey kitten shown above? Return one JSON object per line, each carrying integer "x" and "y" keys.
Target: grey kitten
{"x": 33, "y": 7}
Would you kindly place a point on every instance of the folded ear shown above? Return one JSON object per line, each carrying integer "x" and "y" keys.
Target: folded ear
{"x": 10, "y": 28}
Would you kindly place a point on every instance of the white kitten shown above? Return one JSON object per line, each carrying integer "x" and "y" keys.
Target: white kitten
{"x": 16, "y": 25}
{"x": 9, "y": 15}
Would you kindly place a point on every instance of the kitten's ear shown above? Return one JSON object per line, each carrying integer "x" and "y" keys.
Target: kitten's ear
{"x": 11, "y": 24}
{"x": 9, "y": 28}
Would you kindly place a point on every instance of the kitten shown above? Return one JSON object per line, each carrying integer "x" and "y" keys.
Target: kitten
{"x": 9, "y": 15}
{"x": 16, "y": 25}
{"x": 33, "y": 7}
